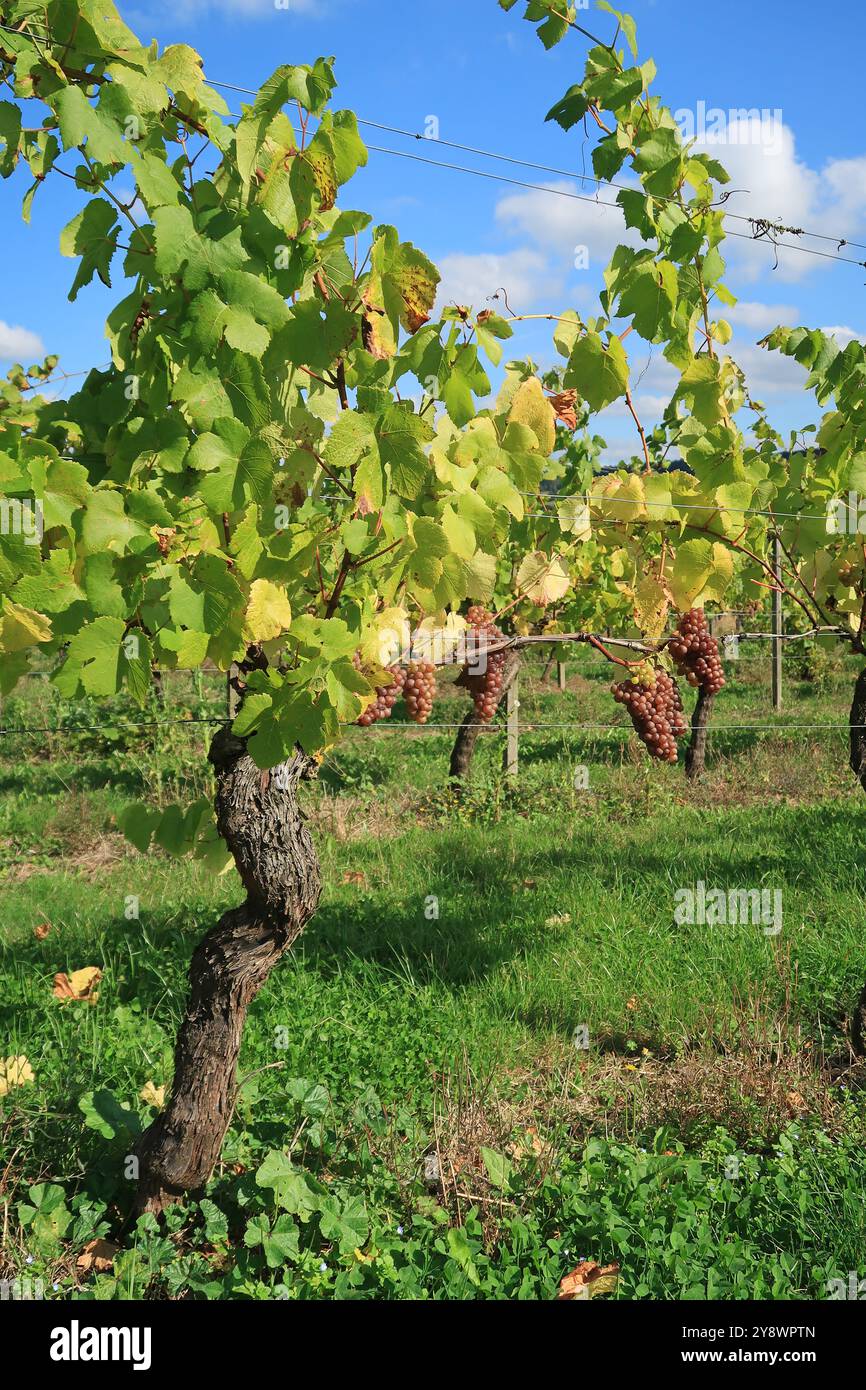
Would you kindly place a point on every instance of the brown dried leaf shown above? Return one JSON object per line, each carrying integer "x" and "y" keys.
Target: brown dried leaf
{"x": 588, "y": 1280}
{"x": 564, "y": 403}
{"x": 98, "y": 1255}
{"x": 80, "y": 985}
{"x": 42, "y": 931}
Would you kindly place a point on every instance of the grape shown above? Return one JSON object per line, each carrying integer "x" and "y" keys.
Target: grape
{"x": 419, "y": 690}
{"x": 656, "y": 713}
{"x": 696, "y": 653}
{"x": 386, "y": 698}
{"x": 485, "y": 687}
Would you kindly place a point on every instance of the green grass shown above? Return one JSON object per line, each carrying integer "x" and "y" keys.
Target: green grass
{"x": 555, "y": 910}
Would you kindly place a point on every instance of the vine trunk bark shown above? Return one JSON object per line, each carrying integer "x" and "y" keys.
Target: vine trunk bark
{"x": 259, "y": 817}
{"x": 696, "y": 753}
{"x": 857, "y": 729}
{"x": 467, "y": 735}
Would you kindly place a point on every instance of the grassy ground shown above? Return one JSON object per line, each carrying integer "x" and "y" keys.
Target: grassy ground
{"x": 708, "y": 1139}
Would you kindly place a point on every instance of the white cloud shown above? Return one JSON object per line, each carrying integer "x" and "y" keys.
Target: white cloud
{"x": 770, "y": 373}
{"x": 761, "y": 318}
{"x": 770, "y": 181}
{"x": 525, "y": 275}
{"x": 846, "y": 180}
{"x": 564, "y": 226}
{"x": 17, "y": 343}
{"x": 843, "y": 335}
{"x": 185, "y": 11}
{"x": 651, "y": 406}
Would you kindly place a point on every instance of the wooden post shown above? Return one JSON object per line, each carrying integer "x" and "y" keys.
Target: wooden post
{"x": 560, "y": 674}
{"x": 512, "y": 705}
{"x": 233, "y": 699}
{"x": 777, "y": 626}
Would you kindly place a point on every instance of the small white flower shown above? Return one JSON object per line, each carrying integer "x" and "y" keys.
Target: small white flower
{"x": 29, "y": 1260}
{"x": 399, "y": 1230}
{"x": 323, "y": 1267}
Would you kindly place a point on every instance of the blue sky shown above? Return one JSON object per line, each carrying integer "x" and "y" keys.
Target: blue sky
{"x": 483, "y": 75}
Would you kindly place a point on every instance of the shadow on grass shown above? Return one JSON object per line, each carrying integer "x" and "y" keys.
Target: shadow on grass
{"x": 486, "y": 918}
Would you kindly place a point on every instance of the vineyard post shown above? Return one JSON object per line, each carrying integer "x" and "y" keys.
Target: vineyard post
{"x": 512, "y": 706}
{"x": 560, "y": 674}
{"x": 777, "y": 624}
{"x": 233, "y": 699}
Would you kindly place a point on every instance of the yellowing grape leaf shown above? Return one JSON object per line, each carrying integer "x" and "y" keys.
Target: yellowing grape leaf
{"x": 81, "y": 984}
{"x": 575, "y": 517}
{"x": 630, "y": 498}
{"x": 721, "y": 574}
{"x": 691, "y": 570}
{"x": 542, "y": 578}
{"x": 531, "y": 407}
{"x": 23, "y": 627}
{"x": 651, "y": 604}
{"x": 417, "y": 280}
{"x": 268, "y": 612}
{"x": 14, "y": 1071}
{"x": 388, "y": 639}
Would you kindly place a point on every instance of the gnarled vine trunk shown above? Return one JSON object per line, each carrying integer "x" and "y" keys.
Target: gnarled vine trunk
{"x": 696, "y": 753}
{"x": 857, "y": 723}
{"x": 467, "y": 735}
{"x": 259, "y": 817}
{"x": 857, "y": 729}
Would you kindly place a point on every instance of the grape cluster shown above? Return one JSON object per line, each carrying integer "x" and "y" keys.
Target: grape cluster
{"x": 485, "y": 686}
{"x": 696, "y": 653}
{"x": 419, "y": 690}
{"x": 386, "y": 698}
{"x": 656, "y": 713}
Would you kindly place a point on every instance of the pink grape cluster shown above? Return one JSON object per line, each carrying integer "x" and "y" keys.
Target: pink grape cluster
{"x": 656, "y": 712}
{"x": 696, "y": 653}
{"x": 419, "y": 691}
{"x": 485, "y": 686}
{"x": 386, "y": 698}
